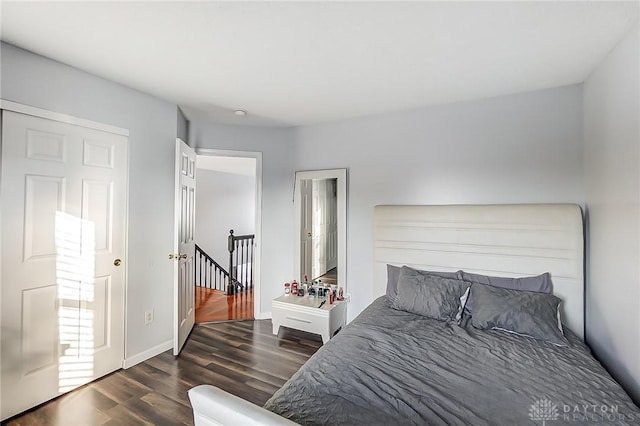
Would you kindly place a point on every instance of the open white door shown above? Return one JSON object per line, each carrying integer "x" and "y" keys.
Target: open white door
{"x": 185, "y": 208}
{"x": 63, "y": 257}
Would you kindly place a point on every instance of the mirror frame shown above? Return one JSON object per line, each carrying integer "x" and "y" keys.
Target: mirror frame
{"x": 341, "y": 186}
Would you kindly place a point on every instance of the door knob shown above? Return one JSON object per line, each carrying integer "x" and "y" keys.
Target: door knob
{"x": 308, "y": 234}
{"x": 117, "y": 262}
{"x": 178, "y": 256}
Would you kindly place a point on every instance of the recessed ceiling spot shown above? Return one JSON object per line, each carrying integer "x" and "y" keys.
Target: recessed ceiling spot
{"x": 240, "y": 112}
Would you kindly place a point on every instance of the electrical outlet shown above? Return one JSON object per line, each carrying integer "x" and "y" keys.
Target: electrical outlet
{"x": 348, "y": 297}
{"x": 148, "y": 317}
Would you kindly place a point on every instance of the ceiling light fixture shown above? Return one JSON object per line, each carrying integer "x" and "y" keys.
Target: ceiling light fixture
{"x": 240, "y": 112}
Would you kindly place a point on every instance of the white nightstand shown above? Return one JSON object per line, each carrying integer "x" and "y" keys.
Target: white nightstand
{"x": 302, "y": 313}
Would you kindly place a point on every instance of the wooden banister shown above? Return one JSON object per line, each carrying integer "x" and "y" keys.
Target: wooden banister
{"x": 208, "y": 272}
{"x": 241, "y": 257}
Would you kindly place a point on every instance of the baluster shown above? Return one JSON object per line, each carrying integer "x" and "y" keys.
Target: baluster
{"x": 215, "y": 278}
{"x": 235, "y": 267}
{"x": 252, "y": 259}
{"x": 200, "y": 268}
{"x": 242, "y": 263}
{"x": 239, "y": 262}
{"x": 246, "y": 263}
{"x": 231, "y": 247}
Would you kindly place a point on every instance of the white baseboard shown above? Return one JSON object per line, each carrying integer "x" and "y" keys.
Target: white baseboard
{"x": 149, "y": 353}
{"x": 262, "y": 315}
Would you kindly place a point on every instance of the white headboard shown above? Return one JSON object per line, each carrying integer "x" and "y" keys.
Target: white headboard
{"x": 501, "y": 240}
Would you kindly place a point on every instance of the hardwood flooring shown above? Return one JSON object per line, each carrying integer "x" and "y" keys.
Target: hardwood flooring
{"x": 215, "y": 305}
{"x": 242, "y": 357}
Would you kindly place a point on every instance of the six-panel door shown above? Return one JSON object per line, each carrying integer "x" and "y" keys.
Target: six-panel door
{"x": 63, "y": 191}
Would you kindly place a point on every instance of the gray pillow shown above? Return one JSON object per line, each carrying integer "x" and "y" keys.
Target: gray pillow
{"x": 393, "y": 273}
{"x": 540, "y": 284}
{"x": 429, "y": 295}
{"x": 522, "y": 312}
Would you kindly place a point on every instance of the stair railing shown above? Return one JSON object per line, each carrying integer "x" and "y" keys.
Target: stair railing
{"x": 209, "y": 273}
{"x": 241, "y": 262}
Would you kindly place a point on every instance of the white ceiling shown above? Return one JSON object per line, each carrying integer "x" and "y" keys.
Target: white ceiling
{"x": 295, "y": 63}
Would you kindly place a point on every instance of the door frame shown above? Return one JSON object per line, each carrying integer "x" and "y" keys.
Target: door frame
{"x": 77, "y": 121}
{"x": 257, "y": 313}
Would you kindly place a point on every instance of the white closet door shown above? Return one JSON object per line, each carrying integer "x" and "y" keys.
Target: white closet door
{"x": 63, "y": 190}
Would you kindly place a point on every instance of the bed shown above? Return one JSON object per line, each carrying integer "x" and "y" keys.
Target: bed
{"x": 396, "y": 366}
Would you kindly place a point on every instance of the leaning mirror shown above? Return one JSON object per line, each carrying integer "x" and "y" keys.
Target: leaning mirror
{"x": 320, "y": 200}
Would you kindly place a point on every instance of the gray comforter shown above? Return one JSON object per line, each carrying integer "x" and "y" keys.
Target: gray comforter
{"x": 393, "y": 367}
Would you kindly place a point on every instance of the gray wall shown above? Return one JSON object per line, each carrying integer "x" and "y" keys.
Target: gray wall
{"x": 612, "y": 163}
{"x": 182, "y": 129}
{"x": 224, "y": 201}
{"x": 277, "y": 191}
{"x": 524, "y": 148}
{"x": 40, "y": 82}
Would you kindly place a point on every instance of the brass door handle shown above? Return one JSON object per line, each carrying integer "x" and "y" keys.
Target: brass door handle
{"x": 178, "y": 256}
{"x": 117, "y": 262}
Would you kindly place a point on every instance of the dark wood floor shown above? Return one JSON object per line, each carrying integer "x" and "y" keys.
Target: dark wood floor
{"x": 243, "y": 358}
{"x": 215, "y": 305}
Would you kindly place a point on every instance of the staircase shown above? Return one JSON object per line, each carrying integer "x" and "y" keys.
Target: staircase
{"x": 239, "y": 275}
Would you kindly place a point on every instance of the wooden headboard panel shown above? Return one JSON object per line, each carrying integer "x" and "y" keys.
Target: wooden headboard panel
{"x": 503, "y": 240}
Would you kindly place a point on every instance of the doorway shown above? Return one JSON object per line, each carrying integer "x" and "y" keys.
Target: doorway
{"x": 227, "y": 212}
